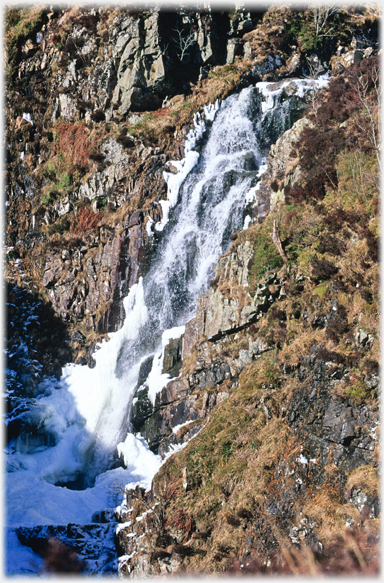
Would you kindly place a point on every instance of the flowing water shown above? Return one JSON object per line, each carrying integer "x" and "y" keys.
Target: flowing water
{"x": 86, "y": 413}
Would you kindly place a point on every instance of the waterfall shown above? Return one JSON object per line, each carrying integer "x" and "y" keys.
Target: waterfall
{"x": 86, "y": 413}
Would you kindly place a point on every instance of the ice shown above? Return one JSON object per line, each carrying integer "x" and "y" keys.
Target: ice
{"x": 149, "y": 226}
{"x": 270, "y": 92}
{"x": 185, "y": 165}
{"x": 19, "y": 559}
{"x": 177, "y": 427}
{"x": 27, "y": 117}
{"x": 302, "y": 459}
{"x": 156, "y": 379}
{"x": 174, "y": 182}
{"x": 136, "y": 454}
{"x": 83, "y": 381}
{"x": 247, "y": 222}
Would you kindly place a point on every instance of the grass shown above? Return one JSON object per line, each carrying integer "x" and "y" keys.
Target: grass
{"x": 19, "y": 25}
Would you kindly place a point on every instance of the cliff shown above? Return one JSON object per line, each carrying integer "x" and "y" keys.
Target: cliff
{"x": 272, "y": 402}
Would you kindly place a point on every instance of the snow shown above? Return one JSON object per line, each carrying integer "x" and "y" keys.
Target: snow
{"x": 303, "y": 85}
{"x": 174, "y": 182}
{"x": 27, "y": 117}
{"x": 135, "y": 452}
{"x": 19, "y": 559}
{"x": 176, "y": 448}
{"x": 149, "y": 226}
{"x": 156, "y": 379}
{"x": 45, "y": 503}
{"x": 177, "y": 427}
{"x": 123, "y": 525}
{"x": 302, "y": 460}
{"x": 247, "y": 222}
{"x": 76, "y": 423}
{"x": 251, "y": 195}
{"x": 185, "y": 165}
{"x": 179, "y": 447}
{"x": 79, "y": 379}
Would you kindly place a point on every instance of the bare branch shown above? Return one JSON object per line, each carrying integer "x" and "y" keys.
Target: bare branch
{"x": 370, "y": 100}
{"x": 277, "y": 242}
{"x": 184, "y": 43}
{"x": 321, "y": 16}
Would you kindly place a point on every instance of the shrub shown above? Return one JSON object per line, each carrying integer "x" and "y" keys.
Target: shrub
{"x": 266, "y": 256}
{"x": 85, "y": 219}
{"x": 359, "y": 391}
{"x": 322, "y": 269}
{"x": 337, "y": 324}
{"x": 73, "y": 144}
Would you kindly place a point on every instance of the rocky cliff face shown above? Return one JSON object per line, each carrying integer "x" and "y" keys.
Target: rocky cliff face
{"x": 318, "y": 466}
{"x": 276, "y": 377}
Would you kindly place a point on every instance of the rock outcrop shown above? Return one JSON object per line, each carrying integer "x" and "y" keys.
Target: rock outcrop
{"x": 268, "y": 425}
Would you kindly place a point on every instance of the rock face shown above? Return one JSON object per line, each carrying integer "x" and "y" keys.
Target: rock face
{"x": 222, "y": 314}
{"x": 84, "y": 183}
{"x": 325, "y": 430}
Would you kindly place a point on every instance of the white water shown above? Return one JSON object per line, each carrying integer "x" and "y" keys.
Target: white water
{"x": 87, "y": 412}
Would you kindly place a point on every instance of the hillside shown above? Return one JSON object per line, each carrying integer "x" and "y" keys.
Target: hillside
{"x": 257, "y": 360}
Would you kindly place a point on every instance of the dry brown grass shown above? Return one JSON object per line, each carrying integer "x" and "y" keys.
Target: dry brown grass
{"x": 294, "y": 353}
{"x": 85, "y": 219}
{"x": 74, "y": 143}
{"x": 366, "y": 478}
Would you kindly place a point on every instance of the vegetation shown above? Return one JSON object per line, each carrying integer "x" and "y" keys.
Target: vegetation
{"x": 328, "y": 228}
{"x": 19, "y": 25}
{"x": 327, "y": 313}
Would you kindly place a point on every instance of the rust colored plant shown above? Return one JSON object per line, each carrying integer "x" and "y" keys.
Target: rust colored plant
{"x": 58, "y": 558}
{"x": 85, "y": 219}
{"x": 74, "y": 144}
{"x": 183, "y": 522}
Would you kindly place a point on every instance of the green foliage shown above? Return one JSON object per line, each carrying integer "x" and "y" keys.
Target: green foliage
{"x": 322, "y": 290}
{"x": 300, "y": 29}
{"x": 226, "y": 450}
{"x": 265, "y": 257}
{"x": 64, "y": 182}
{"x": 358, "y": 177}
{"x": 359, "y": 391}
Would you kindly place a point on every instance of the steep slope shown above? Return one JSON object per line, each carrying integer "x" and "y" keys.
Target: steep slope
{"x": 282, "y": 383}
{"x": 278, "y": 371}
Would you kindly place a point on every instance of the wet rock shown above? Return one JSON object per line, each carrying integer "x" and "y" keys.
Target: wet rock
{"x": 92, "y": 544}
{"x": 142, "y": 409}
{"x": 136, "y": 219}
{"x": 172, "y": 357}
{"x": 77, "y": 336}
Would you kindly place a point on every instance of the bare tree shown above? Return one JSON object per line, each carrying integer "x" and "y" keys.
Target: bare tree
{"x": 368, "y": 93}
{"x": 315, "y": 68}
{"x": 277, "y": 241}
{"x": 184, "y": 41}
{"x": 321, "y": 16}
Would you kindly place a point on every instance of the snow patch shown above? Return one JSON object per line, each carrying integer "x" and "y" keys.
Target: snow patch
{"x": 156, "y": 379}
{"x": 302, "y": 460}
{"x": 27, "y": 117}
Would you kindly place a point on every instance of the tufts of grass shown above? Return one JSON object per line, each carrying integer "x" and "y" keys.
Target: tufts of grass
{"x": 19, "y": 25}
